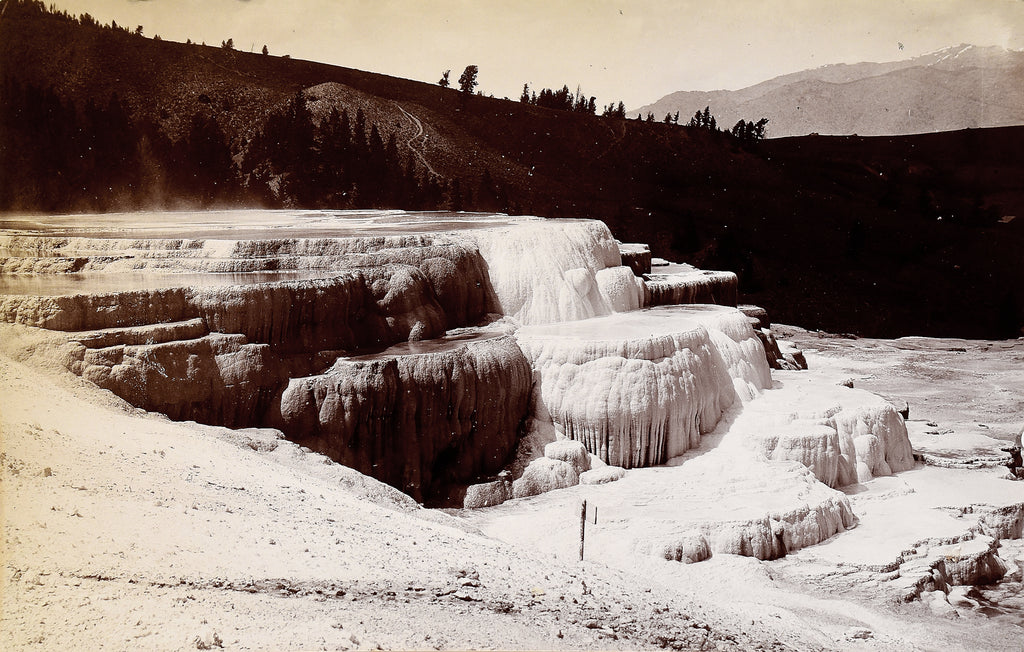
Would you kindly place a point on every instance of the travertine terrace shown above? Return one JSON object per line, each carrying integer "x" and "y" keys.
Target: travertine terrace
{"x": 514, "y": 364}
{"x": 291, "y": 320}
{"x": 258, "y": 319}
{"x": 420, "y": 348}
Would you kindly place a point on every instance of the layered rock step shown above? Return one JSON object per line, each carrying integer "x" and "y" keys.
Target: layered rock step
{"x": 677, "y": 283}
{"x": 640, "y": 387}
{"x": 758, "y": 479}
{"x": 636, "y": 256}
{"x": 932, "y": 535}
{"x": 844, "y": 436}
{"x": 355, "y": 308}
{"x": 544, "y": 270}
{"x": 285, "y": 318}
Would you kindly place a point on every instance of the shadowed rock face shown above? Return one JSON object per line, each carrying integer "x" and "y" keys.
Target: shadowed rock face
{"x": 637, "y": 257}
{"x": 359, "y": 308}
{"x": 420, "y": 422}
{"x": 217, "y": 378}
{"x": 670, "y": 285}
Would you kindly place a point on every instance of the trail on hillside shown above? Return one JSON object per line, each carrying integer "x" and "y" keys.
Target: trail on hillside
{"x": 419, "y": 133}
{"x": 233, "y": 71}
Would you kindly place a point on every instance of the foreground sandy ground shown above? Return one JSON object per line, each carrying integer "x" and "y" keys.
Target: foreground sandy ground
{"x": 125, "y": 530}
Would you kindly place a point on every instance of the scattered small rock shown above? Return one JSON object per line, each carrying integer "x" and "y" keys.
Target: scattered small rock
{"x": 502, "y": 607}
{"x": 859, "y": 633}
{"x": 938, "y": 604}
{"x": 958, "y": 597}
{"x": 207, "y": 640}
{"x": 468, "y": 573}
{"x": 602, "y": 475}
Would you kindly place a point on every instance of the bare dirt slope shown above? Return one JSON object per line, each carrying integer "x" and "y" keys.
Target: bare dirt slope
{"x": 124, "y": 529}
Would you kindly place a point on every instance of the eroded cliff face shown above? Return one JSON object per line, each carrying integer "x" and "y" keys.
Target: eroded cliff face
{"x": 422, "y": 422}
{"x": 217, "y": 378}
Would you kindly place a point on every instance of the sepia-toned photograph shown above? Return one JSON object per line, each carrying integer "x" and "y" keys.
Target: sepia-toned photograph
{"x": 511, "y": 325}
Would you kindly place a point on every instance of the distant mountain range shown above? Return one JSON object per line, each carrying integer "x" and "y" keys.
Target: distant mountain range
{"x": 954, "y": 88}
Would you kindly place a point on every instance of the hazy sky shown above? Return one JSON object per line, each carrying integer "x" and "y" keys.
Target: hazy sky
{"x": 631, "y": 50}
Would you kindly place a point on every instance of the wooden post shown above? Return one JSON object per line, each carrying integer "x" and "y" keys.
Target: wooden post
{"x": 583, "y": 526}
{"x": 595, "y": 514}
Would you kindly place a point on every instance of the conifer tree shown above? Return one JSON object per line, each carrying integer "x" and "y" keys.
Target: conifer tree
{"x": 468, "y": 82}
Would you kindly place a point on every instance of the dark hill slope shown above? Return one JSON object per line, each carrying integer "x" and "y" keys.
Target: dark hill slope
{"x": 831, "y": 233}
{"x": 926, "y": 229}
{"x": 551, "y": 162}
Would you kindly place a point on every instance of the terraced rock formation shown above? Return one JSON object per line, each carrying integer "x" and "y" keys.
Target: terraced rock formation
{"x": 432, "y": 351}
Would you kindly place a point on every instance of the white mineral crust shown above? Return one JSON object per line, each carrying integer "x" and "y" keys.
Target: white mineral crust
{"x": 641, "y": 387}
{"x": 545, "y": 272}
